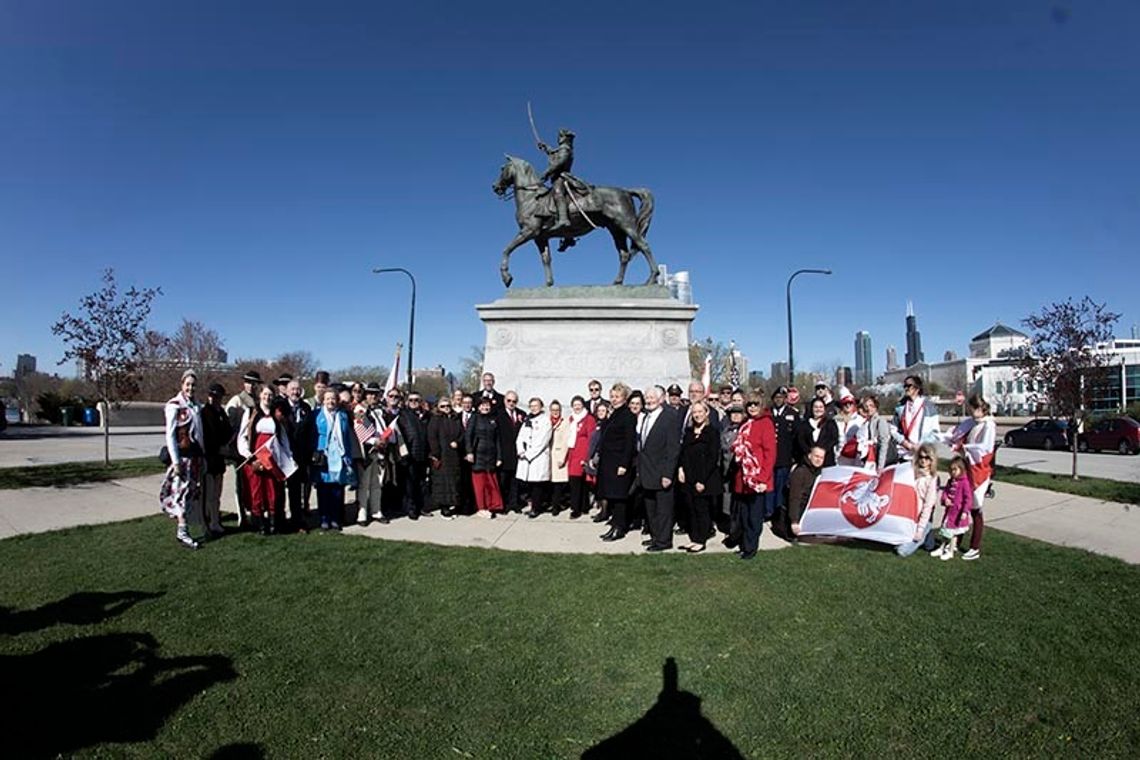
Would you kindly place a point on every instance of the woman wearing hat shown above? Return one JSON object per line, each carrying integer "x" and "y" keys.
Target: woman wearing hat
{"x": 180, "y": 492}
{"x": 754, "y": 452}
{"x": 847, "y": 424}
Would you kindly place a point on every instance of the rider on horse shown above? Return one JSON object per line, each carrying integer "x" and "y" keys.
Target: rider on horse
{"x": 561, "y": 159}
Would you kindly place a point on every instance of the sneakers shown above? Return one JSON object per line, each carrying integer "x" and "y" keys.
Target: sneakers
{"x": 939, "y": 551}
{"x": 948, "y": 552}
{"x": 324, "y": 524}
{"x": 485, "y": 513}
{"x": 972, "y": 555}
{"x": 184, "y": 538}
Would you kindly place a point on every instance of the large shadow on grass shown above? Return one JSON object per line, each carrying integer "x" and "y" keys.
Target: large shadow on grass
{"x": 672, "y": 729}
{"x": 89, "y": 690}
{"x": 83, "y": 608}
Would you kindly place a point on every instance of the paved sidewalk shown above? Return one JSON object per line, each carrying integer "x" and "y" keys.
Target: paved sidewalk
{"x": 1097, "y": 526}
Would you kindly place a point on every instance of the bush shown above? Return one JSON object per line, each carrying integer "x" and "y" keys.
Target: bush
{"x": 52, "y": 404}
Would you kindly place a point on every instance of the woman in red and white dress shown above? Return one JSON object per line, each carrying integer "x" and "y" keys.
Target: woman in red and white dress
{"x": 975, "y": 438}
{"x": 264, "y": 475}
{"x": 847, "y": 422}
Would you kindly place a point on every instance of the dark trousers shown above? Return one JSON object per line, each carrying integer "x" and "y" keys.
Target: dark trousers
{"x": 330, "y": 502}
{"x": 682, "y": 508}
{"x": 509, "y": 488}
{"x": 579, "y": 495}
{"x": 295, "y": 487}
{"x": 735, "y": 521}
{"x": 700, "y": 516}
{"x": 557, "y": 497}
{"x": 415, "y": 482}
{"x": 659, "y": 515}
{"x": 618, "y": 519}
{"x": 537, "y": 493}
{"x": 777, "y": 497}
{"x": 979, "y": 529}
{"x": 466, "y": 491}
{"x": 752, "y": 507}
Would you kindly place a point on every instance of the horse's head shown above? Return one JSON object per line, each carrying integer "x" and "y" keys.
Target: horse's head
{"x": 517, "y": 173}
{"x": 506, "y": 176}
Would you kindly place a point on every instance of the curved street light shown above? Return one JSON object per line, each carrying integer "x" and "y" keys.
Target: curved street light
{"x": 791, "y": 353}
{"x": 411, "y": 320}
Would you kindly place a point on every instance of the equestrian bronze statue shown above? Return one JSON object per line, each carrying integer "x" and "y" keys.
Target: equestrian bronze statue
{"x": 571, "y": 208}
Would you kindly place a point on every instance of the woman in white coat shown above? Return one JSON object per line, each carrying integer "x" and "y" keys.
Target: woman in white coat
{"x": 533, "y": 448}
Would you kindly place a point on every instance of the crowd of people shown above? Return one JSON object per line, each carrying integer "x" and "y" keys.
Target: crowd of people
{"x": 661, "y": 461}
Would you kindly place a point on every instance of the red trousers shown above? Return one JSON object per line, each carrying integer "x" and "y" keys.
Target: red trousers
{"x": 487, "y": 495}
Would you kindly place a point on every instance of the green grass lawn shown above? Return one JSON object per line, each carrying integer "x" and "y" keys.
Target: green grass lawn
{"x": 77, "y": 473}
{"x": 113, "y": 640}
{"x": 1095, "y": 488}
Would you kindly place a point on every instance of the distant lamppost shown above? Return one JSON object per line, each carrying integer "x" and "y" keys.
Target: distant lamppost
{"x": 411, "y": 320}
{"x": 791, "y": 352}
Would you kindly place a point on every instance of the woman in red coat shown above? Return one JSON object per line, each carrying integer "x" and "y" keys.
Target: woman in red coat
{"x": 754, "y": 452}
{"x": 581, "y": 426}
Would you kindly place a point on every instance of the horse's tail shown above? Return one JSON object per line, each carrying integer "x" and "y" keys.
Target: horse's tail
{"x": 645, "y": 213}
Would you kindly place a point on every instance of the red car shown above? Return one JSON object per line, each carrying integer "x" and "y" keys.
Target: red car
{"x": 1120, "y": 433}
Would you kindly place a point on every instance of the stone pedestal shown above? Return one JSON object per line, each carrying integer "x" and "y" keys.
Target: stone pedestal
{"x": 550, "y": 342}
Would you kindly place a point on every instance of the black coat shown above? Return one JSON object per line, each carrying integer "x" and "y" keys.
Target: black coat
{"x": 659, "y": 451}
{"x": 509, "y": 424}
{"x": 617, "y": 447}
{"x": 442, "y": 431}
{"x": 483, "y": 441}
{"x": 828, "y": 438}
{"x": 785, "y": 422}
{"x": 414, "y": 431}
{"x": 217, "y": 434}
{"x": 700, "y": 459}
{"x": 296, "y": 429}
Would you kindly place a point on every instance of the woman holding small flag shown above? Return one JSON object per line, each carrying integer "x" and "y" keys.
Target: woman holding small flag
{"x": 264, "y": 444}
{"x": 374, "y": 468}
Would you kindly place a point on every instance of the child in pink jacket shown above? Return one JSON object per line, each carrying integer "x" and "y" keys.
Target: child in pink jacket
{"x": 957, "y": 498}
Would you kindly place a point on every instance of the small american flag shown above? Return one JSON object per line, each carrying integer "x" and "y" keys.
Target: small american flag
{"x": 733, "y": 370}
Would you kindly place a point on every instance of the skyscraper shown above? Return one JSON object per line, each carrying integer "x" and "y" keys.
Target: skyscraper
{"x": 913, "y": 339}
{"x": 892, "y": 359}
{"x": 864, "y": 368}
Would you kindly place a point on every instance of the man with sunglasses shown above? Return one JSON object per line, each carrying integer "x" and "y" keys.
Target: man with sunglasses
{"x": 595, "y": 388}
{"x": 916, "y": 418}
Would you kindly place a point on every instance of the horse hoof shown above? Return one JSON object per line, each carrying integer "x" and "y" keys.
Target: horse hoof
{"x": 507, "y": 279}
{"x": 619, "y": 281}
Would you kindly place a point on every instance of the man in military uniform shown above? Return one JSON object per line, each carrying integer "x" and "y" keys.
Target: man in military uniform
{"x": 561, "y": 159}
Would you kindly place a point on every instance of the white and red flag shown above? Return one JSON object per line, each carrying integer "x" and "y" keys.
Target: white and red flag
{"x": 394, "y": 375}
{"x": 858, "y": 503}
{"x": 276, "y": 459}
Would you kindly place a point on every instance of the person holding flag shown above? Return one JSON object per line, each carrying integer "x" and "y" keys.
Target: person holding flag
{"x": 264, "y": 444}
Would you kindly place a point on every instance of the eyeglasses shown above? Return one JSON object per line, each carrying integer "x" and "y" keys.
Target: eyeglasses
{"x": 445, "y": 406}
{"x": 752, "y": 403}
{"x": 595, "y": 390}
{"x": 924, "y": 456}
{"x": 909, "y": 385}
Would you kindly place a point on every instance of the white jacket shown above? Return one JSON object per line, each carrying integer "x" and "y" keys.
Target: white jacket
{"x": 533, "y": 448}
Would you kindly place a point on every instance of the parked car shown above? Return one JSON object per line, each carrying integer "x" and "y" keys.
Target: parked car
{"x": 1040, "y": 434}
{"x": 1119, "y": 433}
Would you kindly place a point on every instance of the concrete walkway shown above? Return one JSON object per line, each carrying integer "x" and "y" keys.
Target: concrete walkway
{"x": 1097, "y": 526}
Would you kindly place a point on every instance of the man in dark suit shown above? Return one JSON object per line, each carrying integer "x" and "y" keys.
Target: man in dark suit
{"x": 297, "y": 486}
{"x": 488, "y": 391}
{"x": 595, "y": 389}
{"x": 510, "y": 421}
{"x": 785, "y": 417}
{"x": 658, "y": 450}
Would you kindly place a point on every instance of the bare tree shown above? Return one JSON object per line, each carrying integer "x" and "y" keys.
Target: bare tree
{"x": 721, "y": 355}
{"x": 106, "y": 337}
{"x": 470, "y": 375}
{"x": 1063, "y": 360}
{"x": 363, "y": 373}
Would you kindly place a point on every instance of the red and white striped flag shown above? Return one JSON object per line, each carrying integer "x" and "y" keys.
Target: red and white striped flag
{"x": 857, "y": 503}
{"x": 394, "y": 375}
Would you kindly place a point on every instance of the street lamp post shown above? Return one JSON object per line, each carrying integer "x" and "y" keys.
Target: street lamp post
{"x": 411, "y": 319}
{"x": 791, "y": 353}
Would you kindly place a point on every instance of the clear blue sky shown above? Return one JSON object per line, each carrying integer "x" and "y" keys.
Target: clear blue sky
{"x": 257, "y": 159}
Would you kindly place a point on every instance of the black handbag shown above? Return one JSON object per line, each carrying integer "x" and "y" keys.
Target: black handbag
{"x": 320, "y": 460}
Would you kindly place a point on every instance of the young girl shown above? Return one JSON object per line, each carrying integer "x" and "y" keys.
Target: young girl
{"x": 926, "y": 488}
{"x": 957, "y": 498}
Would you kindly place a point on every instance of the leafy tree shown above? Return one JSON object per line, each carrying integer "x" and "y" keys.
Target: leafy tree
{"x": 106, "y": 337}
{"x": 1063, "y": 359}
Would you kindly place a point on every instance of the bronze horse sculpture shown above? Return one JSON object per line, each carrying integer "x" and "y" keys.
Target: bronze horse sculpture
{"x": 592, "y": 207}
